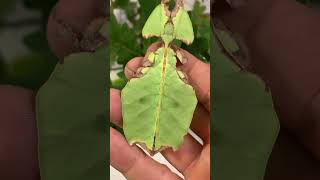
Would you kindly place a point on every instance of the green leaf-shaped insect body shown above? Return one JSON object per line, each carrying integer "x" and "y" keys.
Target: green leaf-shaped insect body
{"x": 158, "y": 105}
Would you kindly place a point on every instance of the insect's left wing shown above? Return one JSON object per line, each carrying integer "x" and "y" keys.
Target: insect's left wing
{"x": 156, "y": 22}
{"x": 183, "y": 29}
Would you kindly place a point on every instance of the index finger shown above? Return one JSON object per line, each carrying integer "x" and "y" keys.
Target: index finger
{"x": 199, "y": 77}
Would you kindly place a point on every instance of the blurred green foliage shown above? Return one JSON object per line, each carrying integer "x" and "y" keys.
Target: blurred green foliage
{"x": 126, "y": 40}
{"x": 29, "y": 70}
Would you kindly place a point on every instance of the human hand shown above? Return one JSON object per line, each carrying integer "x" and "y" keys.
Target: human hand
{"x": 192, "y": 159}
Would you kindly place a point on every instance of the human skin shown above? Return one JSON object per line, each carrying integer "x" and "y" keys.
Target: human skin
{"x": 274, "y": 41}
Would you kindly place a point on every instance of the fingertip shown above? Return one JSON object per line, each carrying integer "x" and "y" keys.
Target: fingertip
{"x": 132, "y": 67}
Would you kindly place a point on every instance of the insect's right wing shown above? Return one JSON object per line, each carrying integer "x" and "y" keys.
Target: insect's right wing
{"x": 156, "y": 22}
{"x": 183, "y": 26}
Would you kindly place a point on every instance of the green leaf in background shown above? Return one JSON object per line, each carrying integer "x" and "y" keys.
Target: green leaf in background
{"x": 146, "y": 7}
{"x": 71, "y": 115}
{"x": 120, "y": 82}
{"x": 245, "y": 124}
{"x": 202, "y": 29}
{"x": 124, "y": 42}
{"x": 200, "y": 21}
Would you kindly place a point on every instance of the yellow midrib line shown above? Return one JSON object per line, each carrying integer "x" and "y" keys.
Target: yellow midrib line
{"x": 160, "y": 98}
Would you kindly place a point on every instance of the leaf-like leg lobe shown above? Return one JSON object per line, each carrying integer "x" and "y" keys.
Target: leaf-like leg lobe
{"x": 181, "y": 57}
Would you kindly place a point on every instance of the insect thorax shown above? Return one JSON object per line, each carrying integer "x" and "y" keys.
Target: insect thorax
{"x": 168, "y": 32}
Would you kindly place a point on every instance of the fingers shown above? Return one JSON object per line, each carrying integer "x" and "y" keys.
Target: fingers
{"x": 133, "y": 163}
{"x": 75, "y": 13}
{"x": 135, "y": 63}
{"x": 132, "y": 66}
{"x": 18, "y": 134}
